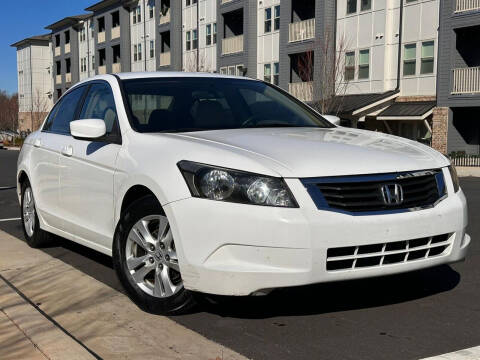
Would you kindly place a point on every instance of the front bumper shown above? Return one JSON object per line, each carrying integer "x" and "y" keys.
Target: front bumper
{"x": 236, "y": 249}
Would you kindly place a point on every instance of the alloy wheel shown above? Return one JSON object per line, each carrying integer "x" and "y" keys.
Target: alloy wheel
{"x": 151, "y": 257}
{"x": 28, "y": 211}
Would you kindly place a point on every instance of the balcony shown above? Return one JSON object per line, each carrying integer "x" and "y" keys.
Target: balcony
{"x": 102, "y": 70}
{"x": 302, "y": 90}
{"x": 225, "y": 1}
{"x": 57, "y": 51}
{"x": 301, "y": 30}
{"x": 232, "y": 45}
{"x": 115, "y": 32}
{"x": 58, "y": 79}
{"x": 165, "y": 19}
{"x": 116, "y": 68}
{"x": 101, "y": 37}
{"x": 67, "y": 48}
{"x": 466, "y": 81}
{"x": 68, "y": 77}
{"x": 467, "y": 5}
{"x": 165, "y": 59}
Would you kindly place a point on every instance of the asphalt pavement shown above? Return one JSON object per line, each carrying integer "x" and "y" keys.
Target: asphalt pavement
{"x": 408, "y": 316}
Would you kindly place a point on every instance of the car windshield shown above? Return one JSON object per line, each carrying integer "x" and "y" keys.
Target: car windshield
{"x": 196, "y": 104}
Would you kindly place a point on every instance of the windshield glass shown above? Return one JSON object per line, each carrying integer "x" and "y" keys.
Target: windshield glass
{"x": 195, "y": 104}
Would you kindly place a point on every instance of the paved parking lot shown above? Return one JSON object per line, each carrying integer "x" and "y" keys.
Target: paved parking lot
{"x": 408, "y": 316}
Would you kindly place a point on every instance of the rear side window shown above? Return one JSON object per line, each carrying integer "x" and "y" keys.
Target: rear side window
{"x": 63, "y": 113}
{"x": 100, "y": 104}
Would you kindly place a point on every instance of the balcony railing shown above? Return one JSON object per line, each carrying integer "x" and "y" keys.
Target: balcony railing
{"x": 301, "y": 90}
{"x": 67, "y": 48}
{"x": 466, "y": 80}
{"x": 301, "y": 30}
{"x": 57, "y": 51}
{"x": 116, "y": 32}
{"x": 165, "y": 19}
{"x": 68, "y": 77}
{"x": 102, "y": 70}
{"x": 165, "y": 59}
{"x": 101, "y": 37}
{"x": 232, "y": 45}
{"x": 58, "y": 79}
{"x": 225, "y": 1}
{"x": 116, "y": 68}
{"x": 467, "y": 5}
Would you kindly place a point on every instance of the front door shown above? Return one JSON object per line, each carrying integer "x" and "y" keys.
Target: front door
{"x": 86, "y": 173}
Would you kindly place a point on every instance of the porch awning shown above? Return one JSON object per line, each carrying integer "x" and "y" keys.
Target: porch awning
{"x": 414, "y": 110}
{"x": 359, "y": 105}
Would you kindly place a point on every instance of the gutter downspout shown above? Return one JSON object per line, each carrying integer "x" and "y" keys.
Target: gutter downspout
{"x": 31, "y": 88}
{"x": 198, "y": 35}
{"x": 145, "y": 34}
{"x": 400, "y": 33}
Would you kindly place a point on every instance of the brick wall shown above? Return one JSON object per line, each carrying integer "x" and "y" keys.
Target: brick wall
{"x": 440, "y": 129}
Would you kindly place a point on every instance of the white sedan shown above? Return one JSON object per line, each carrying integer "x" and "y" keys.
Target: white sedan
{"x": 230, "y": 186}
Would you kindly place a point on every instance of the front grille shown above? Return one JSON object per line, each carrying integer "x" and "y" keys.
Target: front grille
{"x": 355, "y": 194}
{"x": 363, "y": 256}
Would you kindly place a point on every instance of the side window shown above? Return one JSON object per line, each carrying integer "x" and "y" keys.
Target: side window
{"x": 51, "y": 116}
{"x": 65, "y": 111}
{"x": 99, "y": 104}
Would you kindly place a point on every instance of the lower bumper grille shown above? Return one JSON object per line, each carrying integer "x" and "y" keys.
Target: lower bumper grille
{"x": 374, "y": 255}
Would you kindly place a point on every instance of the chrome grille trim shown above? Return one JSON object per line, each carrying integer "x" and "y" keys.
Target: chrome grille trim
{"x": 384, "y": 254}
{"x": 362, "y": 194}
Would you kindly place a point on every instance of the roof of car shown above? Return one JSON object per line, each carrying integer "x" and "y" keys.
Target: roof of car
{"x": 174, "y": 74}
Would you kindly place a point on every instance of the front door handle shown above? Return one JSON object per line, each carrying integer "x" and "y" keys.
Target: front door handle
{"x": 67, "y": 150}
{"x": 37, "y": 142}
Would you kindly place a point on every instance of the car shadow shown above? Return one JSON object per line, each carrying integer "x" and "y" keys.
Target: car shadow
{"x": 293, "y": 301}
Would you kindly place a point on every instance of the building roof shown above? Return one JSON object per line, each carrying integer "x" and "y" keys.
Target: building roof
{"x": 39, "y": 39}
{"x": 358, "y": 103}
{"x": 414, "y": 110}
{"x": 69, "y": 20}
{"x": 102, "y": 5}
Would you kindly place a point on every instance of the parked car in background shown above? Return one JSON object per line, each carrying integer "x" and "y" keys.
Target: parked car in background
{"x": 230, "y": 186}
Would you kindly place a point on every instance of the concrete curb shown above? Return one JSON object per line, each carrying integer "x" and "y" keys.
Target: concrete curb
{"x": 98, "y": 316}
{"x": 464, "y": 171}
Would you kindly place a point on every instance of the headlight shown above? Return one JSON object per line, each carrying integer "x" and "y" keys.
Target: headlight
{"x": 454, "y": 176}
{"x": 222, "y": 184}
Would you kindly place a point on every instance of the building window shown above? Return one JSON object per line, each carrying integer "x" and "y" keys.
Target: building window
{"x": 139, "y": 52}
{"x": 365, "y": 5}
{"x": 426, "y": 65}
{"x": 349, "y": 66}
{"x": 152, "y": 49}
{"x": 58, "y": 66}
{"x": 57, "y": 40}
{"x": 115, "y": 19}
{"x": 151, "y": 11}
{"x": 194, "y": 39}
{"x": 67, "y": 37}
{"x": 276, "y": 22}
{"x": 208, "y": 34}
{"x": 135, "y": 53}
{"x": 351, "y": 6}
{"x": 364, "y": 64}
{"x": 276, "y": 73}
{"x": 101, "y": 24}
{"x": 190, "y": 2}
{"x": 268, "y": 20}
{"x": 214, "y": 33}
{"x": 68, "y": 66}
{"x": 409, "y": 59}
{"x": 239, "y": 70}
{"x": 223, "y": 70}
{"x": 93, "y": 62}
{"x": 267, "y": 73}
{"x": 139, "y": 14}
{"x": 188, "y": 40}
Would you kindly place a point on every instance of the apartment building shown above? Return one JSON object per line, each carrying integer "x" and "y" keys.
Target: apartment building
{"x": 86, "y": 47}
{"x": 169, "y": 35}
{"x": 35, "y": 85}
{"x": 390, "y": 65}
{"x": 142, "y": 35}
{"x": 456, "y": 124}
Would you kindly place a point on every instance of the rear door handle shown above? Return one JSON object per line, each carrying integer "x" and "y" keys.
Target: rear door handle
{"x": 67, "y": 150}
{"x": 37, "y": 142}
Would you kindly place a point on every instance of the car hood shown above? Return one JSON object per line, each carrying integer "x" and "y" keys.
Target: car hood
{"x": 312, "y": 152}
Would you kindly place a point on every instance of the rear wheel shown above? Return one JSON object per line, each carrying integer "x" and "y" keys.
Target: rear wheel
{"x": 146, "y": 261}
{"x": 34, "y": 236}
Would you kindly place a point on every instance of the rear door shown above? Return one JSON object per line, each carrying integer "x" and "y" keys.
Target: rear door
{"x": 45, "y": 168}
{"x": 87, "y": 169}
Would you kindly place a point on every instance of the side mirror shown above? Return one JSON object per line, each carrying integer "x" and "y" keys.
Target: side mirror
{"x": 335, "y": 120}
{"x": 88, "y": 128}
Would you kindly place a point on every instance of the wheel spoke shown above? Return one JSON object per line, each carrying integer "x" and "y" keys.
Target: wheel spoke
{"x": 173, "y": 261}
{"x": 133, "y": 262}
{"x": 168, "y": 239}
{"x": 164, "y": 278}
{"x": 163, "y": 227}
{"x": 139, "y": 275}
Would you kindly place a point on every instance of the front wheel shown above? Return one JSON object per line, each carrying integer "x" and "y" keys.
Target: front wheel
{"x": 146, "y": 262}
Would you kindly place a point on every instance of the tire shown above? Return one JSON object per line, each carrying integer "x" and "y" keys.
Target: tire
{"x": 151, "y": 275}
{"x": 34, "y": 236}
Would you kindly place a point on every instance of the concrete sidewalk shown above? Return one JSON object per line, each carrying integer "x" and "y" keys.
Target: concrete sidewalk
{"x": 67, "y": 314}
